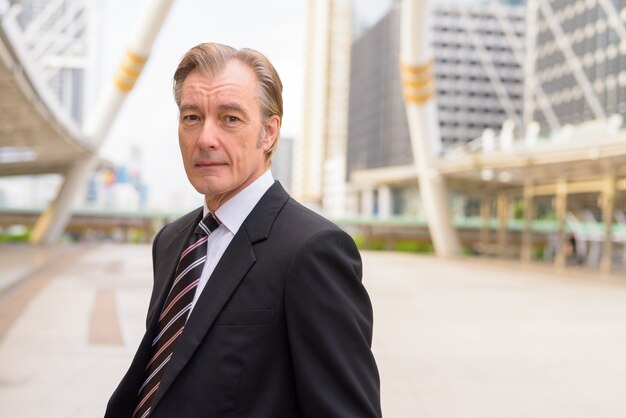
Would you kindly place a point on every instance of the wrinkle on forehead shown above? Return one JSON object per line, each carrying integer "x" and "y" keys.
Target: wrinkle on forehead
{"x": 195, "y": 88}
{"x": 230, "y": 84}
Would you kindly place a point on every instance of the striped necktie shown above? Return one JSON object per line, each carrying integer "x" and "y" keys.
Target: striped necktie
{"x": 175, "y": 311}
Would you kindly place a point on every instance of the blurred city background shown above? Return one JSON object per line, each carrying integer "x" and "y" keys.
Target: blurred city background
{"x": 474, "y": 149}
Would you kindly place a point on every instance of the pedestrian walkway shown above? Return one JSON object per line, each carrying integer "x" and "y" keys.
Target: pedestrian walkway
{"x": 462, "y": 339}
{"x": 20, "y": 260}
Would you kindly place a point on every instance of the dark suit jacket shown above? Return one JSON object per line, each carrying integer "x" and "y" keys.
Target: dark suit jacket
{"x": 282, "y": 329}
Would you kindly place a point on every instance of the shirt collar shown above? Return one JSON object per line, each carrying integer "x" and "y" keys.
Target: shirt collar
{"x": 236, "y": 209}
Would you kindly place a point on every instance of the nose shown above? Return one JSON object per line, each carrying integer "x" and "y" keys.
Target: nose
{"x": 208, "y": 137}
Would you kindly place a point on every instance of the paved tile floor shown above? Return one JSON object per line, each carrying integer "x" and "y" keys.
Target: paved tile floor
{"x": 460, "y": 338}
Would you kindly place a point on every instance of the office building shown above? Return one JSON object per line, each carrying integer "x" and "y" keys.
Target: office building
{"x": 320, "y": 154}
{"x": 479, "y": 81}
{"x": 577, "y": 57}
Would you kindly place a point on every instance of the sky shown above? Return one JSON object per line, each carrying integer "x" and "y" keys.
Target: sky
{"x": 148, "y": 118}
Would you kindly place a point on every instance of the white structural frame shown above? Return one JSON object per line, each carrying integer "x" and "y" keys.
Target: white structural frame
{"x": 613, "y": 18}
{"x": 571, "y": 58}
{"x": 542, "y": 99}
{"x": 41, "y": 44}
{"x": 34, "y": 28}
{"x": 52, "y": 223}
{"x": 416, "y": 58}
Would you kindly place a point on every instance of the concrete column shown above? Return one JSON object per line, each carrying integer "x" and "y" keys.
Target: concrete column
{"x": 52, "y": 222}
{"x": 608, "y": 207}
{"x": 560, "y": 208}
{"x": 529, "y": 214}
{"x": 367, "y": 203}
{"x": 418, "y": 81}
{"x": 503, "y": 217}
{"x": 485, "y": 217}
{"x": 352, "y": 203}
{"x": 334, "y": 188}
{"x": 384, "y": 202}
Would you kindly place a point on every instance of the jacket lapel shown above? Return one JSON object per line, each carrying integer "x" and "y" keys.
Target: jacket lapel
{"x": 173, "y": 244}
{"x": 229, "y": 272}
{"x": 165, "y": 268}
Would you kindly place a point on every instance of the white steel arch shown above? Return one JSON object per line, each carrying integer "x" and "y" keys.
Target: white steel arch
{"x": 39, "y": 39}
{"x": 53, "y": 221}
{"x": 542, "y": 99}
{"x": 416, "y": 61}
{"x": 573, "y": 61}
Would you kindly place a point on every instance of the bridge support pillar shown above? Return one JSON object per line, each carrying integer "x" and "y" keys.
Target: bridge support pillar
{"x": 384, "y": 202}
{"x": 485, "y": 224}
{"x": 367, "y": 203}
{"x": 418, "y": 79}
{"x": 529, "y": 214}
{"x": 608, "y": 207}
{"x": 503, "y": 220}
{"x": 52, "y": 222}
{"x": 560, "y": 209}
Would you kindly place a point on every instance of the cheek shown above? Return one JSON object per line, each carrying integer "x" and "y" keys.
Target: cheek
{"x": 186, "y": 146}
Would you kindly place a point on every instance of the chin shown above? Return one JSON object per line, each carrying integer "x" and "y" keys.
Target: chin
{"x": 206, "y": 189}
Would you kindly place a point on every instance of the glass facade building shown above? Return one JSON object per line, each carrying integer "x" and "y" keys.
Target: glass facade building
{"x": 478, "y": 75}
{"x": 579, "y": 59}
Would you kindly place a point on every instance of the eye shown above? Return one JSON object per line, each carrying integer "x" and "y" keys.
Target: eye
{"x": 230, "y": 119}
{"x": 190, "y": 120}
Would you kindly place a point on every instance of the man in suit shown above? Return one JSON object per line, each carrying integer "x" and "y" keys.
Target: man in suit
{"x": 280, "y": 324}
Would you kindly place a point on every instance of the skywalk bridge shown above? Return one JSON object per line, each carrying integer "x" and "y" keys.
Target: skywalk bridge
{"x": 43, "y": 49}
{"x": 45, "y": 64}
{"x": 37, "y": 134}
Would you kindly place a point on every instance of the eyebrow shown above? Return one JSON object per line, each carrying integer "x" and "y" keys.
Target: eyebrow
{"x": 188, "y": 106}
{"x": 229, "y": 106}
{"x": 232, "y": 106}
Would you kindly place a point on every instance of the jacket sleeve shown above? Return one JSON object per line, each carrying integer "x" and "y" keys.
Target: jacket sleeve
{"x": 329, "y": 324}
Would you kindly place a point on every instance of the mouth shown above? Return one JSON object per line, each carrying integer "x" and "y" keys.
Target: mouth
{"x": 209, "y": 164}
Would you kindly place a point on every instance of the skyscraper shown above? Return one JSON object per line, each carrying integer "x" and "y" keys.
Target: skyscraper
{"x": 577, "y": 57}
{"x": 479, "y": 61}
{"x": 321, "y": 151}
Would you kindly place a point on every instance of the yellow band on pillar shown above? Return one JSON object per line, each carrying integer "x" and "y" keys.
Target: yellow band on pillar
{"x": 123, "y": 85}
{"x": 418, "y": 82}
{"x": 419, "y": 100}
{"x": 128, "y": 71}
{"x": 418, "y": 85}
{"x": 136, "y": 59}
{"x": 417, "y": 70}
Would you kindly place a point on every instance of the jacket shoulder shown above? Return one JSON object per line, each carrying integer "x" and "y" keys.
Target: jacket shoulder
{"x": 181, "y": 223}
{"x": 304, "y": 221}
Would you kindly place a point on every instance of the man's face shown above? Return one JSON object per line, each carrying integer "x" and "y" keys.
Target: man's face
{"x": 223, "y": 139}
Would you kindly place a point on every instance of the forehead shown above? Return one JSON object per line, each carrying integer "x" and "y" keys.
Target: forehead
{"x": 235, "y": 79}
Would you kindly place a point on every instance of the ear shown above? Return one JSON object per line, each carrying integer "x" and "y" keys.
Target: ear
{"x": 272, "y": 128}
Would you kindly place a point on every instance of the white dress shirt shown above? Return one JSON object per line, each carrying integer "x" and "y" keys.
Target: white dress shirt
{"x": 232, "y": 214}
